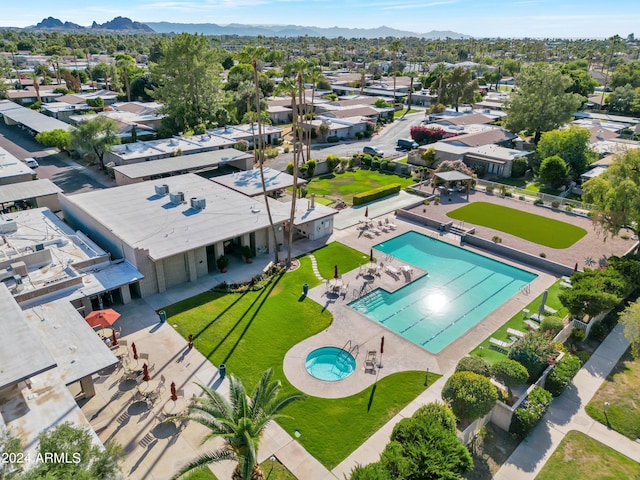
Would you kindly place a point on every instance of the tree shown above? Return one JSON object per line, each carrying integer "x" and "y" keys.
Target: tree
{"x": 572, "y": 144}
{"x": 189, "y": 82}
{"x": 470, "y": 395}
{"x": 474, "y": 364}
{"x": 593, "y": 291}
{"x": 394, "y": 48}
{"x": 615, "y": 195}
{"x": 9, "y": 445}
{"x": 457, "y": 86}
{"x": 553, "y": 171}
{"x": 509, "y": 372}
{"x": 541, "y": 103}
{"x": 126, "y": 64}
{"x": 58, "y": 138}
{"x": 240, "y": 421}
{"x": 622, "y": 99}
{"x": 535, "y": 351}
{"x": 630, "y": 318}
{"x": 97, "y": 135}
{"x": 87, "y": 461}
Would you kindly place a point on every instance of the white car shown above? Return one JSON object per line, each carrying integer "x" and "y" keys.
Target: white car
{"x": 31, "y": 162}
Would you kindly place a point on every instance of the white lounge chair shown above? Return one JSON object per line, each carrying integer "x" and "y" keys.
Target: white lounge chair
{"x": 368, "y": 234}
{"x": 392, "y": 226}
{"x": 391, "y": 269}
{"x": 375, "y": 230}
{"x": 532, "y": 325}
{"x": 566, "y": 285}
{"x": 500, "y": 345}
{"x": 516, "y": 333}
{"x": 536, "y": 317}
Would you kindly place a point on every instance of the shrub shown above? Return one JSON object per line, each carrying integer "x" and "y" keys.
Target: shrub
{"x": 290, "y": 168}
{"x": 489, "y": 189}
{"x": 271, "y": 152}
{"x": 535, "y": 351}
{"x": 311, "y": 167}
{"x": 367, "y": 159}
{"x": 519, "y": 167}
{"x": 552, "y": 324}
{"x": 375, "y": 163}
{"x": 286, "y": 149}
{"x": 436, "y": 200}
{"x": 568, "y": 207}
{"x": 332, "y": 162}
{"x": 543, "y": 255}
{"x": 376, "y": 193}
{"x": 578, "y": 334}
{"x": 530, "y": 412}
{"x": 564, "y": 371}
{"x": 555, "y": 204}
{"x": 598, "y": 332}
{"x": 474, "y": 364}
{"x": 242, "y": 145}
{"x": 509, "y": 372}
{"x": 333, "y": 139}
{"x": 496, "y": 239}
{"x": 583, "y": 355}
{"x": 390, "y": 166}
{"x": 470, "y": 395}
{"x": 359, "y": 135}
{"x": 343, "y": 163}
{"x": 521, "y": 197}
{"x": 538, "y": 201}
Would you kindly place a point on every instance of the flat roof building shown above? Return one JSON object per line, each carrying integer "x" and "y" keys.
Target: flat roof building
{"x": 13, "y": 170}
{"x": 34, "y": 122}
{"x": 173, "y": 231}
{"x": 30, "y": 194}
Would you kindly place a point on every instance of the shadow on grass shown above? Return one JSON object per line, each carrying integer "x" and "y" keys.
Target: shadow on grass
{"x": 373, "y": 392}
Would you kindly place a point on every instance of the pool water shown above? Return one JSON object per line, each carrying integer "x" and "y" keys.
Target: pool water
{"x": 330, "y": 364}
{"x": 461, "y": 288}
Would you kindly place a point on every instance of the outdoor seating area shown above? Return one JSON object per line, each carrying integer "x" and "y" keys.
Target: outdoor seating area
{"x": 500, "y": 345}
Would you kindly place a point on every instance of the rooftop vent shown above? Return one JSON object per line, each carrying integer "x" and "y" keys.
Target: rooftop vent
{"x": 198, "y": 203}
{"x": 177, "y": 197}
{"x": 8, "y": 226}
{"x": 162, "y": 189}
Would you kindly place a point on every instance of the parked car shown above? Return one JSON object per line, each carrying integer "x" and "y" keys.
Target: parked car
{"x": 407, "y": 144}
{"x": 373, "y": 151}
{"x": 31, "y": 162}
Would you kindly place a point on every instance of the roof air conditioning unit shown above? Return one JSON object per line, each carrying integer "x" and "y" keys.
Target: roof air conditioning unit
{"x": 162, "y": 189}
{"x": 8, "y": 226}
{"x": 177, "y": 197}
{"x": 198, "y": 203}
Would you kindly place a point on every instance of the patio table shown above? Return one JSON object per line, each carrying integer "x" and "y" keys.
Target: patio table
{"x": 172, "y": 408}
{"x": 147, "y": 388}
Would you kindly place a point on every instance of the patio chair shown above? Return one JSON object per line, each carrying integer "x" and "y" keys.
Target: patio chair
{"x": 500, "y": 345}
{"x": 368, "y": 234}
{"x": 516, "y": 333}
{"x": 370, "y": 362}
{"x": 391, "y": 225}
{"x": 532, "y": 325}
{"x": 143, "y": 356}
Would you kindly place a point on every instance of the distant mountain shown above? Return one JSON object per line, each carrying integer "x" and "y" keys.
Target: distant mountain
{"x": 119, "y": 24}
{"x": 294, "y": 31}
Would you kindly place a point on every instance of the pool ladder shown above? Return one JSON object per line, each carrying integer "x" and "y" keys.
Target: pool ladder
{"x": 347, "y": 349}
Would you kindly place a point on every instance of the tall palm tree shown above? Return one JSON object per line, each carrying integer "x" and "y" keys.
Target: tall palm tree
{"x": 240, "y": 421}
{"x": 125, "y": 63}
{"x": 395, "y": 48}
{"x": 251, "y": 55}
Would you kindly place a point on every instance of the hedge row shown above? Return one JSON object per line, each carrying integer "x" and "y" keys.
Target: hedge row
{"x": 530, "y": 412}
{"x": 376, "y": 193}
{"x": 564, "y": 371}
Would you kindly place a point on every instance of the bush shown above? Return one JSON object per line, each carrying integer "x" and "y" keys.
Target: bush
{"x": 311, "y": 167}
{"x": 568, "y": 207}
{"x": 470, "y": 395}
{"x": 519, "y": 167}
{"x": 578, "y": 334}
{"x": 375, "y": 163}
{"x": 242, "y": 145}
{"x": 367, "y": 159}
{"x": 555, "y": 204}
{"x": 583, "y": 355}
{"x": 598, "y": 332}
{"x": 535, "y": 351}
{"x": 521, "y": 197}
{"x": 496, "y": 239}
{"x": 390, "y": 166}
{"x": 376, "y": 193}
{"x": 474, "y": 364}
{"x": 564, "y": 371}
{"x": 290, "y": 168}
{"x": 286, "y": 149}
{"x": 359, "y": 135}
{"x": 552, "y": 324}
{"x": 509, "y": 373}
{"x": 333, "y": 139}
{"x": 530, "y": 412}
{"x": 538, "y": 201}
{"x": 543, "y": 255}
{"x": 488, "y": 189}
{"x": 332, "y": 162}
{"x": 436, "y": 200}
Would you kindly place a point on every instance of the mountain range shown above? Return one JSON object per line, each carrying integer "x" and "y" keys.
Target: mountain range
{"x": 295, "y": 31}
{"x": 123, "y": 24}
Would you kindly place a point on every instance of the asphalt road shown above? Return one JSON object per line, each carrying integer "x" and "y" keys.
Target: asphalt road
{"x": 386, "y": 139}
{"x": 68, "y": 175}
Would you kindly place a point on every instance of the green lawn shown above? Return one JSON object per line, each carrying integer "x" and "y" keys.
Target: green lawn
{"x": 251, "y": 332}
{"x": 517, "y": 322}
{"x": 621, "y": 391}
{"x": 401, "y": 113}
{"x": 580, "y": 457}
{"x": 535, "y": 228}
{"x": 345, "y": 185}
{"x": 204, "y": 474}
{"x": 275, "y": 471}
{"x": 324, "y": 201}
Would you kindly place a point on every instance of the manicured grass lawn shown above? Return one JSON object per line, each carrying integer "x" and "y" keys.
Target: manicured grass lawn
{"x": 205, "y": 474}
{"x": 516, "y": 322}
{"x": 345, "y": 185}
{"x": 275, "y": 471}
{"x": 402, "y": 112}
{"x": 621, "y": 391}
{"x": 580, "y": 457}
{"x": 535, "y": 228}
{"x": 324, "y": 201}
{"x": 252, "y": 331}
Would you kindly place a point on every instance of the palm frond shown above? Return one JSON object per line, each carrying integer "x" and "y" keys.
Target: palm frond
{"x": 203, "y": 460}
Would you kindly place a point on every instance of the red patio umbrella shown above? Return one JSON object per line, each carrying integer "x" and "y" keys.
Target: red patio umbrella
{"x": 174, "y": 394}
{"x": 99, "y": 318}
{"x": 135, "y": 351}
{"x": 335, "y": 271}
{"x": 366, "y": 212}
{"x": 145, "y": 373}
{"x": 114, "y": 338}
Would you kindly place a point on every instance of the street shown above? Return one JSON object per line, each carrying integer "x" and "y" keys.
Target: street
{"x": 68, "y": 175}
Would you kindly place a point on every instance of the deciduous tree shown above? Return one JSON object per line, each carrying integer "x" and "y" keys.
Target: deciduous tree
{"x": 553, "y": 171}
{"x": 97, "y": 135}
{"x": 470, "y": 395}
{"x": 572, "y": 144}
{"x": 630, "y": 318}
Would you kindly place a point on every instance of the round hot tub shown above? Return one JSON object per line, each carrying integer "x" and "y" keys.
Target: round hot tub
{"x": 330, "y": 364}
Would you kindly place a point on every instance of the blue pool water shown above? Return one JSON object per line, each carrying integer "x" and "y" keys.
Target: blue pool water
{"x": 330, "y": 363}
{"x": 461, "y": 288}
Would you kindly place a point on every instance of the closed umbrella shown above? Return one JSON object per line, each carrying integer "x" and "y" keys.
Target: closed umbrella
{"x": 145, "y": 373}
{"x": 135, "y": 351}
{"x": 544, "y": 299}
{"x": 371, "y": 255}
{"x": 174, "y": 394}
{"x": 99, "y": 318}
{"x": 335, "y": 271}
{"x": 382, "y": 345}
{"x": 366, "y": 212}
{"x": 114, "y": 338}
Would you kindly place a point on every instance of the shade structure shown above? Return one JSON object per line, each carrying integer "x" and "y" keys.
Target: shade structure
{"x": 145, "y": 373}
{"x": 335, "y": 271}
{"x": 174, "y": 394}
{"x": 544, "y": 299}
{"x": 114, "y": 338}
{"x": 135, "y": 351}
{"x": 382, "y": 345}
{"x": 104, "y": 318}
{"x": 366, "y": 212}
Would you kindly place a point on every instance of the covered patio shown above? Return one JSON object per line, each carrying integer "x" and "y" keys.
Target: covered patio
{"x": 454, "y": 177}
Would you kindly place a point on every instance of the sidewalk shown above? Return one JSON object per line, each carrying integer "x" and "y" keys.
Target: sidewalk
{"x": 567, "y": 413}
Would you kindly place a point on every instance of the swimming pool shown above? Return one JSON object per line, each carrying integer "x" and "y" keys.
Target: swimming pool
{"x": 330, "y": 364}
{"x": 461, "y": 288}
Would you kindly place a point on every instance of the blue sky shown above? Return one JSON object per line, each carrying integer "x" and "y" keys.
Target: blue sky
{"x": 479, "y": 18}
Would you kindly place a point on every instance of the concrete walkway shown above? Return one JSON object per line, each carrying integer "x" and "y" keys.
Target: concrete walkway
{"x": 567, "y": 413}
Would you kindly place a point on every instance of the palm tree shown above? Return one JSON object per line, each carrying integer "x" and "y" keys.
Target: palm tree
{"x": 240, "y": 421}
{"x": 125, "y": 63}
{"x": 251, "y": 55}
{"x": 395, "y": 48}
